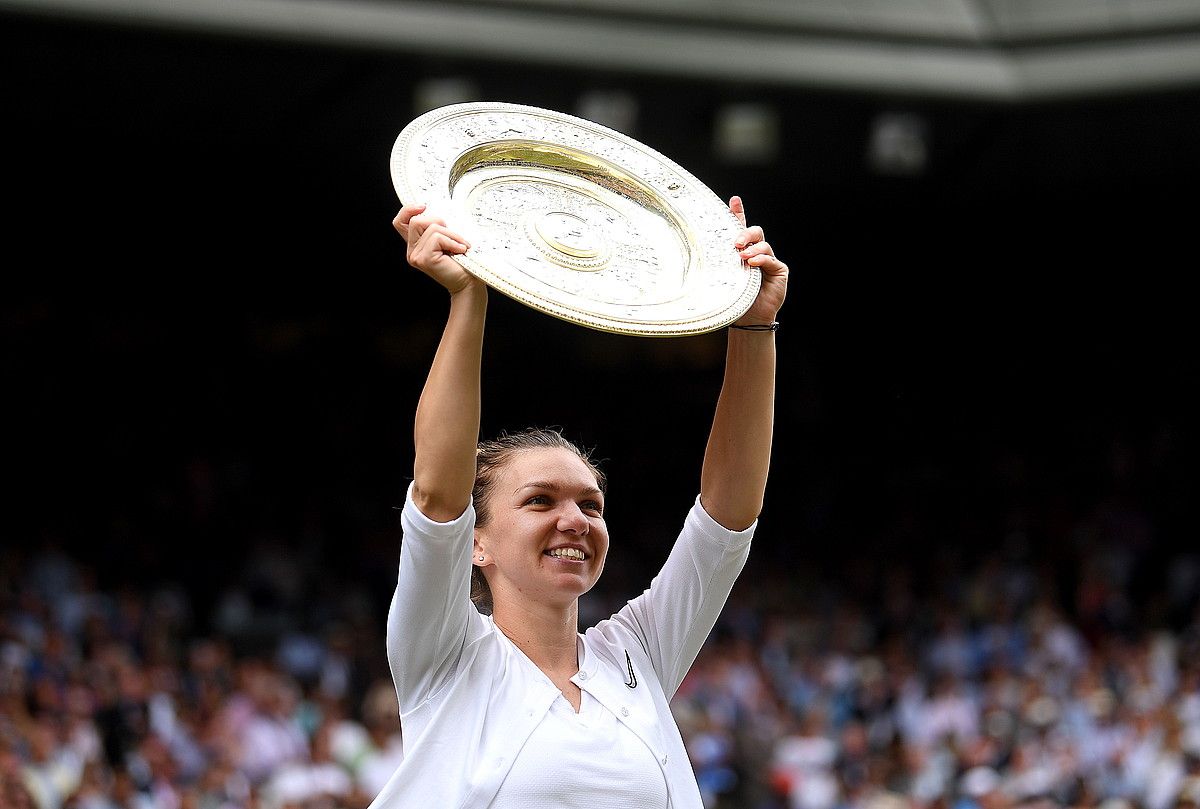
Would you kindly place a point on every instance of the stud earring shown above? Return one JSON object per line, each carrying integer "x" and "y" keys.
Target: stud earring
{"x": 481, "y": 558}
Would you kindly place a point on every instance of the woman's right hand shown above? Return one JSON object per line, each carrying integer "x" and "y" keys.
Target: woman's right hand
{"x": 430, "y": 247}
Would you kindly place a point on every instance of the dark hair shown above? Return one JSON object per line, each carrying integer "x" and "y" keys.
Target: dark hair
{"x": 492, "y": 456}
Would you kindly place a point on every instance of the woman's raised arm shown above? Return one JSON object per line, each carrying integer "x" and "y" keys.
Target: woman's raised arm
{"x": 733, "y": 480}
{"x": 446, "y": 428}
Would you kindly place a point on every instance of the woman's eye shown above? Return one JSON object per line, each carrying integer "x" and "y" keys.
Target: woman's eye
{"x": 537, "y": 500}
{"x": 592, "y": 506}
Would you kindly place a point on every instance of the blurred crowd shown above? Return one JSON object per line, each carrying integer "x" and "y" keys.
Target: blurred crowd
{"x": 107, "y": 701}
{"x": 988, "y": 686}
{"x": 1000, "y": 701}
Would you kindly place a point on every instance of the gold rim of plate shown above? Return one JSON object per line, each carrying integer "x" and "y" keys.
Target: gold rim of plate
{"x": 577, "y": 220}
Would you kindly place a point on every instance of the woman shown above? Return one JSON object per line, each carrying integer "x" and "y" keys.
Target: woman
{"x": 517, "y": 709}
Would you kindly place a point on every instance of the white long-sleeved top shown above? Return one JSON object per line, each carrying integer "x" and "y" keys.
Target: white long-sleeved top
{"x": 467, "y": 703}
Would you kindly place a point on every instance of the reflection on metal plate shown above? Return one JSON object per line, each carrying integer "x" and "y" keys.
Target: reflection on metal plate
{"x": 577, "y": 220}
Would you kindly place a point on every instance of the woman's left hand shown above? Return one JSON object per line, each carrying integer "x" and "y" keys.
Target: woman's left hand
{"x": 756, "y": 252}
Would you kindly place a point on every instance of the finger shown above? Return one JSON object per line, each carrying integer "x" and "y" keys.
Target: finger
{"x": 738, "y": 209}
{"x": 764, "y": 260}
{"x": 756, "y": 249}
{"x": 450, "y": 243}
{"x": 402, "y": 220}
{"x": 410, "y": 210}
{"x": 418, "y": 225}
{"x": 769, "y": 265}
{"x": 433, "y": 244}
{"x": 750, "y": 236}
{"x": 428, "y": 228}
{"x": 424, "y": 221}
{"x": 405, "y": 217}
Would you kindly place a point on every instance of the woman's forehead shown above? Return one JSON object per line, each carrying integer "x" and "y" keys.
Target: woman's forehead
{"x": 548, "y": 467}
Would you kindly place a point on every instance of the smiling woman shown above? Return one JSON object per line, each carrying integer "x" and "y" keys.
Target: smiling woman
{"x": 549, "y": 492}
{"x": 490, "y": 692}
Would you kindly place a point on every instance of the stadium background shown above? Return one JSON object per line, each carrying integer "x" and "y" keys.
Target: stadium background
{"x": 213, "y": 346}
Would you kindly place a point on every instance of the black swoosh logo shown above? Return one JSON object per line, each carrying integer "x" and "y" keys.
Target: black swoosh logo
{"x": 632, "y": 681}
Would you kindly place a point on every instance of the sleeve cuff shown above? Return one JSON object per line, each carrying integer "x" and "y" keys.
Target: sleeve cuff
{"x": 717, "y": 532}
{"x": 418, "y": 519}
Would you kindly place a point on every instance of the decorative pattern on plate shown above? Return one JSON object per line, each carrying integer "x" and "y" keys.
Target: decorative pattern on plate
{"x": 577, "y": 220}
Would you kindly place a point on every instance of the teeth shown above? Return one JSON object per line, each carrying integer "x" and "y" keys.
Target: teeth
{"x": 567, "y": 553}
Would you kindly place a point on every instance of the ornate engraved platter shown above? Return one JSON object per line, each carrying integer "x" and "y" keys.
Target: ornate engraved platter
{"x": 577, "y": 220}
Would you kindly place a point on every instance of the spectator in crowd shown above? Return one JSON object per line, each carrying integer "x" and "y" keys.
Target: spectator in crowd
{"x": 317, "y": 780}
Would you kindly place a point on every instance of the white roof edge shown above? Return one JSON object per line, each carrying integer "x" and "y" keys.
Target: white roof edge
{"x": 802, "y": 61}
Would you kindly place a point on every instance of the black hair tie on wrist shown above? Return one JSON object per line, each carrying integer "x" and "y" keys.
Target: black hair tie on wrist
{"x": 758, "y": 327}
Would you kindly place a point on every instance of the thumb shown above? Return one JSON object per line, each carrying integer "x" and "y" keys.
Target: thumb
{"x": 738, "y": 209}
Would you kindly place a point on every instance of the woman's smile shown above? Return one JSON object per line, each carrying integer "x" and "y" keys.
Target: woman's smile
{"x": 567, "y": 554}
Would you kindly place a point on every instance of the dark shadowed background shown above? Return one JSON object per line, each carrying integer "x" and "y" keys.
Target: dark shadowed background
{"x": 213, "y": 343}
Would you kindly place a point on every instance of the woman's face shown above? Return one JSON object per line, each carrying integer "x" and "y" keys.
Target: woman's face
{"x": 545, "y": 539}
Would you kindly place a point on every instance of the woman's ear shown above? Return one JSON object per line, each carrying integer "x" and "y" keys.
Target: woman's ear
{"x": 479, "y": 555}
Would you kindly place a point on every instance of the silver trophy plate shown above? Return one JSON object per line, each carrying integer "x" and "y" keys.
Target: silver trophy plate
{"x": 577, "y": 220}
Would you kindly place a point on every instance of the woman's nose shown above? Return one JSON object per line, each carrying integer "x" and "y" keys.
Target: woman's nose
{"x": 572, "y": 520}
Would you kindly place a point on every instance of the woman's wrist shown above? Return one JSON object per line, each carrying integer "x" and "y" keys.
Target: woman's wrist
{"x": 761, "y": 326}
{"x": 472, "y": 288}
